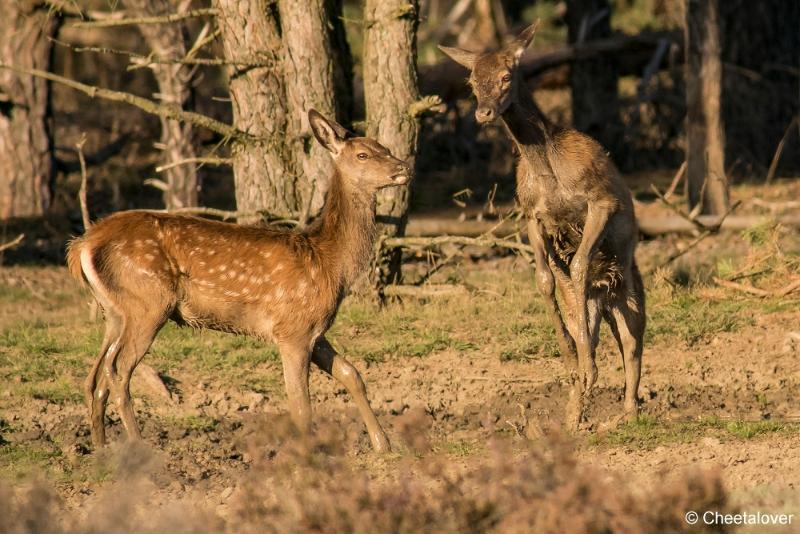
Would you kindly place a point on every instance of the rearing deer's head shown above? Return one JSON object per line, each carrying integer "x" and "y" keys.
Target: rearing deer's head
{"x": 362, "y": 162}
{"x": 494, "y": 75}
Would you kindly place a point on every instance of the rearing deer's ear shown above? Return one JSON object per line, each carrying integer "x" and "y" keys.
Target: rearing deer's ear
{"x": 462, "y": 57}
{"x": 523, "y": 40}
{"x": 329, "y": 134}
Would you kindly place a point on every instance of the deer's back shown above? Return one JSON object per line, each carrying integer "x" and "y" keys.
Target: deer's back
{"x": 215, "y": 275}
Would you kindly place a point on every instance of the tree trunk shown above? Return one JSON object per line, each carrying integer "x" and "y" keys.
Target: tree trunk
{"x": 595, "y": 105}
{"x": 310, "y": 72}
{"x": 26, "y": 158}
{"x": 174, "y": 87}
{"x": 705, "y": 151}
{"x": 390, "y": 87}
{"x": 265, "y": 173}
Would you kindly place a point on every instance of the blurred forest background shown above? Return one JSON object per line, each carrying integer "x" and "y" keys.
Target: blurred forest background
{"x": 657, "y": 82}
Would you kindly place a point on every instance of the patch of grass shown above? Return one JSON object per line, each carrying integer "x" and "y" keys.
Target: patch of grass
{"x": 60, "y": 391}
{"x": 648, "y": 432}
{"x": 13, "y": 294}
{"x": 684, "y": 315}
{"x": 461, "y": 448}
{"x": 19, "y": 460}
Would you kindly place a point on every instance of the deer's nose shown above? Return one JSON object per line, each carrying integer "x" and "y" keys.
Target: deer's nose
{"x": 484, "y": 114}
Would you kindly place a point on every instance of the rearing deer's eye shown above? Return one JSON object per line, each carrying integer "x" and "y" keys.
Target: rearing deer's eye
{"x": 506, "y": 77}
{"x": 362, "y": 156}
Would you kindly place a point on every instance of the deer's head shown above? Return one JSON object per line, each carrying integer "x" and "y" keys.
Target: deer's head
{"x": 363, "y": 162}
{"x": 494, "y": 75}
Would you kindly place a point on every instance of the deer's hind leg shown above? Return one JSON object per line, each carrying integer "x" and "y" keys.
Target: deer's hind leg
{"x": 326, "y": 358}
{"x": 296, "y": 359}
{"x": 95, "y": 386}
{"x": 625, "y": 314}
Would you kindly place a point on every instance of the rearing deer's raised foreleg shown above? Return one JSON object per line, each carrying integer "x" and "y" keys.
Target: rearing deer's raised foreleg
{"x": 597, "y": 217}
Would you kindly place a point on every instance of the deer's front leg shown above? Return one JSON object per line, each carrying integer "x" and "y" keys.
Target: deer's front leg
{"x": 326, "y": 358}
{"x": 546, "y": 284}
{"x": 596, "y": 221}
{"x": 296, "y": 358}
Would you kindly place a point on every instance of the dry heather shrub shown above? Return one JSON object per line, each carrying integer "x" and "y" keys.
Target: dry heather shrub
{"x": 305, "y": 485}
{"x": 301, "y": 484}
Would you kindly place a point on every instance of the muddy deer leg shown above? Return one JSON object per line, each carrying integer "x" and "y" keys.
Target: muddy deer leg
{"x": 296, "y": 359}
{"x": 325, "y": 357}
{"x": 547, "y": 287}
{"x": 626, "y": 317}
{"x": 596, "y": 221}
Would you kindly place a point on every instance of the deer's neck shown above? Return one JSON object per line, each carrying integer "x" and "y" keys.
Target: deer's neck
{"x": 347, "y": 232}
{"x": 529, "y": 129}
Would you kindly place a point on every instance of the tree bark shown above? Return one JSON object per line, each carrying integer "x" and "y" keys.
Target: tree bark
{"x": 595, "y": 104}
{"x": 705, "y": 151}
{"x": 265, "y": 173}
{"x": 390, "y": 87}
{"x": 174, "y": 87}
{"x": 310, "y": 72}
{"x": 26, "y": 158}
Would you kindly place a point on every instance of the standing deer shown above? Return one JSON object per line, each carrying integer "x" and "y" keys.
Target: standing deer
{"x": 284, "y": 286}
{"x": 581, "y": 224}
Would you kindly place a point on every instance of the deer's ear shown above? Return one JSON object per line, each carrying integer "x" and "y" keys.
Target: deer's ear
{"x": 462, "y": 57}
{"x": 523, "y": 40}
{"x": 329, "y": 134}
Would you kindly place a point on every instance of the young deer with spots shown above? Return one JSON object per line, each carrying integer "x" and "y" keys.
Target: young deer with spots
{"x": 581, "y": 224}
{"x": 145, "y": 268}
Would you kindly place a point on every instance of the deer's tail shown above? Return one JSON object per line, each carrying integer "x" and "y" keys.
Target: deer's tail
{"x": 74, "y": 248}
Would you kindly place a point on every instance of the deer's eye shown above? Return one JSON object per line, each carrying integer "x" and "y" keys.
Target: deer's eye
{"x": 362, "y": 156}
{"x": 506, "y": 77}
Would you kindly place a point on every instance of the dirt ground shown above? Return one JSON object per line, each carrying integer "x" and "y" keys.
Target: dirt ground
{"x": 720, "y": 383}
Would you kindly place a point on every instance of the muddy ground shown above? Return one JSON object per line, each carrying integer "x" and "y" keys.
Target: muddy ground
{"x": 720, "y": 382}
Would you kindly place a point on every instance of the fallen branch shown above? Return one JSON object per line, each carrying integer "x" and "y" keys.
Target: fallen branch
{"x": 775, "y": 207}
{"x": 163, "y": 19}
{"x": 426, "y": 291}
{"x": 773, "y": 166}
{"x": 746, "y": 288}
{"x": 484, "y": 241}
{"x": 676, "y": 180}
{"x": 11, "y": 244}
{"x": 166, "y": 111}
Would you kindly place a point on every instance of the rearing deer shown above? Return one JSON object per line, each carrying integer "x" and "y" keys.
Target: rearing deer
{"x": 581, "y": 223}
{"x": 147, "y": 267}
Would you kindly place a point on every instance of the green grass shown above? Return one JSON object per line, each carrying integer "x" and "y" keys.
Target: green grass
{"x": 648, "y": 432}
{"x": 20, "y": 460}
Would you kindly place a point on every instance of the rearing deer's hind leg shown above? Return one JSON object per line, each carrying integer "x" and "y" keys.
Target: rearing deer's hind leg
{"x": 626, "y": 317}
{"x": 545, "y": 282}
{"x": 325, "y": 357}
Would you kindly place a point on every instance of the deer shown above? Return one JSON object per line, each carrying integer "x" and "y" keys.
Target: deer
{"x": 283, "y": 286}
{"x": 581, "y": 225}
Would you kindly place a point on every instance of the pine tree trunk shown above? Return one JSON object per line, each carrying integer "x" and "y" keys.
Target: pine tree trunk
{"x": 265, "y": 173}
{"x": 26, "y": 158}
{"x": 310, "y": 70}
{"x": 168, "y": 41}
{"x": 390, "y": 87}
{"x": 595, "y": 104}
{"x": 705, "y": 152}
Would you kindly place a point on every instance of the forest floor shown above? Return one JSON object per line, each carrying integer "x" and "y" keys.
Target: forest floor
{"x": 467, "y": 373}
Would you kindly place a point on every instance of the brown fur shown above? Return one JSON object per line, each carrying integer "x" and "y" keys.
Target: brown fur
{"x": 581, "y": 224}
{"x": 147, "y": 267}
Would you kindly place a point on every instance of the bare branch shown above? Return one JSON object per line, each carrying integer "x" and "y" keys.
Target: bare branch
{"x": 773, "y": 166}
{"x": 781, "y": 292}
{"x": 427, "y": 291}
{"x": 163, "y": 19}
{"x": 87, "y": 222}
{"x": 162, "y": 110}
{"x": 202, "y": 160}
{"x": 11, "y": 244}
